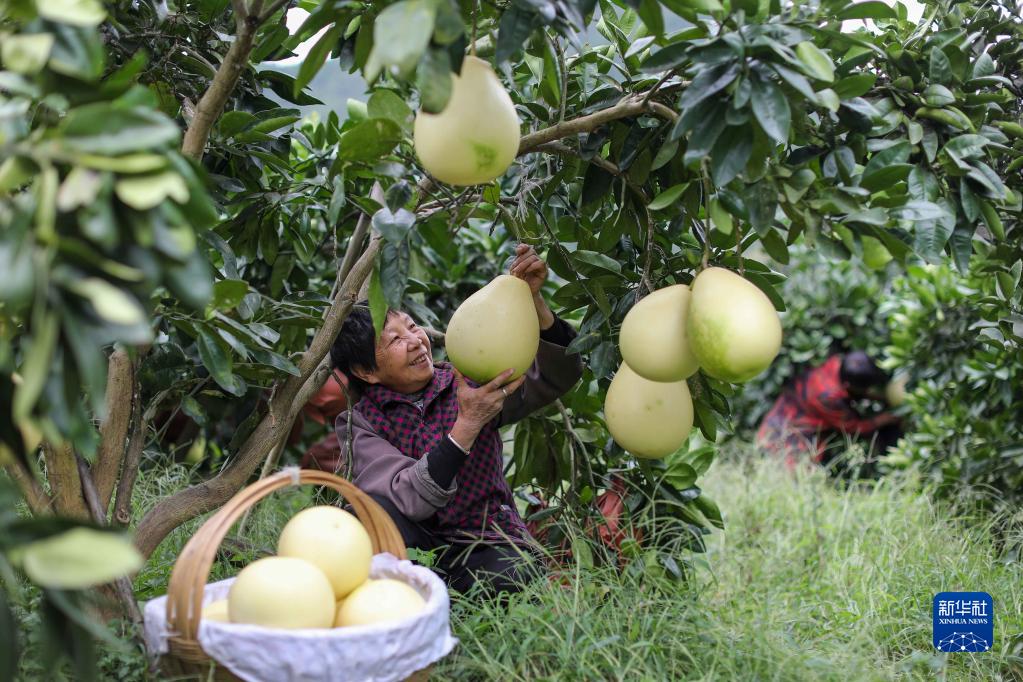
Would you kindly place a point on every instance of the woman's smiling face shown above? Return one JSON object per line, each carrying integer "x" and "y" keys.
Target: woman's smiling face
{"x": 403, "y": 355}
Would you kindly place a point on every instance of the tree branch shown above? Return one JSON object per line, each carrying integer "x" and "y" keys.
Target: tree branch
{"x": 122, "y": 586}
{"x": 130, "y": 470}
{"x": 36, "y": 498}
{"x": 114, "y": 430}
{"x": 65, "y": 484}
{"x": 633, "y": 105}
{"x": 208, "y": 495}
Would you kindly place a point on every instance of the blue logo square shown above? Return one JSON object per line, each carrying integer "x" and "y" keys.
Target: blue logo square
{"x": 963, "y": 622}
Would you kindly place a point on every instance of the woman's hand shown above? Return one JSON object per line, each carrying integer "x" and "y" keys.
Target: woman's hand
{"x": 477, "y": 406}
{"x": 528, "y": 267}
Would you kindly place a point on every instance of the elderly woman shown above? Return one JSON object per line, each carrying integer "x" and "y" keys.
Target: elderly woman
{"x": 424, "y": 441}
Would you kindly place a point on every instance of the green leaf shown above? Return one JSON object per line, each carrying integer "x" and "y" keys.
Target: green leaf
{"x": 667, "y": 197}
{"x": 872, "y": 9}
{"x": 514, "y": 28}
{"x": 597, "y": 260}
{"x": 79, "y": 558}
{"x": 983, "y": 67}
{"x": 377, "y": 301}
{"x": 26, "y": 53}
{"x": 275, "y": 360}
{"x": 941, "y": 67}
{"x": 143, "y": 192}
{"x": 87, "y": 13}
{"x": 730, "y": 153}
{"x": 218, "y": 363}
{"x": 35, "y": 368}
{"x": 102, "y": 128}
{"x": 434, "y": 81}
{"x": 938, "y": 95}
{"x": 400, "y": 35}
{"x": 771, "y": 110}
{"x": 668, "y": 57}
{"x": 386, "y": 104}
{"x": 111, "y": 303}
{"x": 369, "y": 140}
{"x": 815, "y": 62}
{"x": 227, "y": 293}
{"x": 967, "y": 146}
{"x": 315, "y": 58}
{"x": 896, "y": 154}
{"x": 653, "y": 18}
{"x": 393, "y": 227}
{"x": 394, "y": 270}
{"x": 338, "y": 199}
{"x": 855, "y": 85}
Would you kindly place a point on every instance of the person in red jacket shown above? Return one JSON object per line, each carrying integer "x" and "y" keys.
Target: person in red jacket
{"x": 816, "y": 413}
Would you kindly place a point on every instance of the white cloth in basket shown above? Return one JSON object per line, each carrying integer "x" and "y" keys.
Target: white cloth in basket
{"x": 367, "y": 653}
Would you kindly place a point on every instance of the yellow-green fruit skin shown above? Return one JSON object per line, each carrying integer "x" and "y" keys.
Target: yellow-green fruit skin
{"x": 281, "y": 592}
{"x": 379, "y": 601}
{"x": 476, "y": 137}
{"x": 334, "y": 541}
{"x": 494, "y": 329}
{"x": 895, "y": 391}
{"x": 734, "y": 330}
{"x": 653, "y": 339}
{"x": 650, "y": 419}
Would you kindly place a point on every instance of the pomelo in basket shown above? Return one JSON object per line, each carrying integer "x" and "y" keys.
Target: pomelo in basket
{"x": 650, "y": 419}
{"x": 653, "y": 339}
{"x": 281, "y": 592}
{"x": 734, "y": 330}
{"x": 216, "y": 610}
{"x": 332, "y": 540}
{"x": 494, "y": 329}
{"x": 379, "y": 601}
{"x": 476, "y": 137}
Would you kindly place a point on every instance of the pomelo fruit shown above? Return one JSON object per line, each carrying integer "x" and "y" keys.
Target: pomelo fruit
{"x": 494, "y": 329}
{"x": 895, "y": 391}
{"x": 650, "y": 419}
{"x": 332, "y": 540}
{"x": 281, "y": 592}
{"x": 379, "y": 601}
{"x": 476, "y": 137}
{"x": 653, "y": 339}
{"x": 216, "y": 610}
{"x": 734, "y": 330}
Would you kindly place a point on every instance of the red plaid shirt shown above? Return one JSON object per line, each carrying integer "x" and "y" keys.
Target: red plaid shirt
{"x": 483, "y": 506}
{"x": 816, "y": 406}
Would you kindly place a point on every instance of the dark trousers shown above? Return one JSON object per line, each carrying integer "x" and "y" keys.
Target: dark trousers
{"x": 502, "y": 568}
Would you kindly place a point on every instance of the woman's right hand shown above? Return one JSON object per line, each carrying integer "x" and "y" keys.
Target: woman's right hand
{"x": 477, "y": 406}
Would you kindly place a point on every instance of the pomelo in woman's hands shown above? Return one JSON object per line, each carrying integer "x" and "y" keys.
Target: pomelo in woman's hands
{"x": 281, "y": 592}
{"x": 476, "y": 137}
{"x": 653, "y": 339}
{"x": 650, "y": 419}
{"x": 493, "y": 330}
{"x": 379, "y": 601}
{"x": 332, "y": 540}
{"x": 734, "y": 330}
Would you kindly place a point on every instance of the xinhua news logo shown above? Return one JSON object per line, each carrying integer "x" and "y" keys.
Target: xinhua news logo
{"x": 963, "y": 622}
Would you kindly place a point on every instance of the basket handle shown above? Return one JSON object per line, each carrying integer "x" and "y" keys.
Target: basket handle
{"x": 192, "y": 568}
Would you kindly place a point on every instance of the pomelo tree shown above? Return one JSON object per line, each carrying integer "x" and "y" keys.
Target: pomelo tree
{"x": 179, "y": 247}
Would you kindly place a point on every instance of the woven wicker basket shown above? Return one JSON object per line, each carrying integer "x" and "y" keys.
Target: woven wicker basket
{"x": 192, "y": 569}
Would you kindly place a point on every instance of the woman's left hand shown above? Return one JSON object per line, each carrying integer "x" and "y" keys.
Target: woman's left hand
{"x": 528, "y": 267}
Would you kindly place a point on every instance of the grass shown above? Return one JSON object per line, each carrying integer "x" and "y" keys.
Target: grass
{"x": 809, "y": 581}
